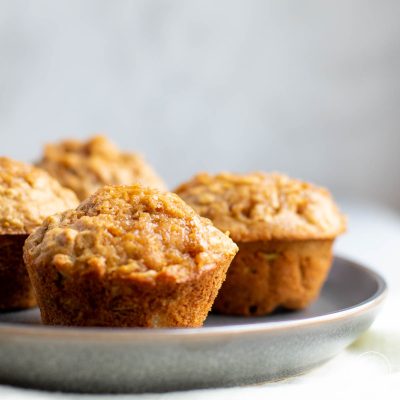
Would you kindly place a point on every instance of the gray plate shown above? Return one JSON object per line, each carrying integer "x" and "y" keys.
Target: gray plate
{"x": 227, "y": 351}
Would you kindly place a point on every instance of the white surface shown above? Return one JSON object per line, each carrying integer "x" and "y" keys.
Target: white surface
{"x": 370, "y": 367}
{"x": 303, "y": 86}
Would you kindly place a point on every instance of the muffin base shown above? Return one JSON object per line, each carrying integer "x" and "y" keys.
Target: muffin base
{"x": 266, "y": 275}
{"x": 16, "y": 291}
{"x": 93, "y": 299}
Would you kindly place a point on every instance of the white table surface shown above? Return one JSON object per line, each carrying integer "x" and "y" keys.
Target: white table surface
{"x": 370, "y": 368}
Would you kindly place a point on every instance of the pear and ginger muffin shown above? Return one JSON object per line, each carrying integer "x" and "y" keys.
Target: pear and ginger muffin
{"x": 27, "y": 196}
{"x": 285, "y": 230}
{"x": 87, "y": 166}
{"x": 128, "y": 256}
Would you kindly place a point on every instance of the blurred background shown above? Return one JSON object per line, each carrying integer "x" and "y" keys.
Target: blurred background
{"x": 305, "y": 87}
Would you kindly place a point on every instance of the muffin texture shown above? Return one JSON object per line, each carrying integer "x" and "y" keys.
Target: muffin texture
{"x": 128, "y": 256}
{"x": 27, "y": 196}
{"x": 285, "y": 230}
{"x": 85, "y": 167}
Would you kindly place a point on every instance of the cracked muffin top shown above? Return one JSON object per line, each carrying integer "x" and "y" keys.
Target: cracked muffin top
{"x": 27, "y": 196}
{"x": 84, "y": 167}
{"x": 129, "y": 231}
{"x": 262, "y": 206}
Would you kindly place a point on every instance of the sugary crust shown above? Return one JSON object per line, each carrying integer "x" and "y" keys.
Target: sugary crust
{"x": 16, "y": 291}
{"x": 84, "y": 167}
{"x": 267, "y": 275}
{"x": 130, "y": 231}
{"x": 128, "y": 256}
{"x": 27, "y": 196}
{"x": 261, "y": 206}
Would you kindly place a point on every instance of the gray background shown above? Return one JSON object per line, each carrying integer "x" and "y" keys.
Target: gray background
{"x": 310, "y": 88}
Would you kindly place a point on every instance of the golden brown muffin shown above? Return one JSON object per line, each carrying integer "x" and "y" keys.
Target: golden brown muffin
{"x": 84, "y": 167}
{"x": 128, "y": 256}
{"x": 27, "y": 196}
{"x": 284, "y": 228}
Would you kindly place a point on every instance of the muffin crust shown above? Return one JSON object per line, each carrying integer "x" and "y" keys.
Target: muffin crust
{"x": 128, "y": 256}
{"x": 261, "y": 206}
{"x": 27, "y": 196}
{"x": 84, "y": 167}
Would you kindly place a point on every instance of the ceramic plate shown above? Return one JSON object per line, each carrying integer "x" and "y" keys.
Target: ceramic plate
{"x": 227, "y": 351}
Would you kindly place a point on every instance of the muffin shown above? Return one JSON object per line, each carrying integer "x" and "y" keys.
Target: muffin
{"x": 285, "y": 230}
{"x": 27, "y": 196}
{"x": 127, "y": 256}
{"x": 85, "y": 167}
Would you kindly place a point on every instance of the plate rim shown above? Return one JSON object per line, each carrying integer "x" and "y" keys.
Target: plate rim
{"x": 43, "y": 332}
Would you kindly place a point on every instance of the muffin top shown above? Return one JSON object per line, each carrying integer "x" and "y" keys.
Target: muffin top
{"x": 27, "y": 196}
{"x": 129, "y": 231}
{"x": 261, "y": 206}
{"x": 84, "y": 167}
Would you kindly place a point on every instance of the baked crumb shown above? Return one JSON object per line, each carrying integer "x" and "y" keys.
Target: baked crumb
{"x": 262, "y": 206}
{"x": 84, "y": 167}
{"x": 27, "y": 196}
{"x": 130, "y": 230}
